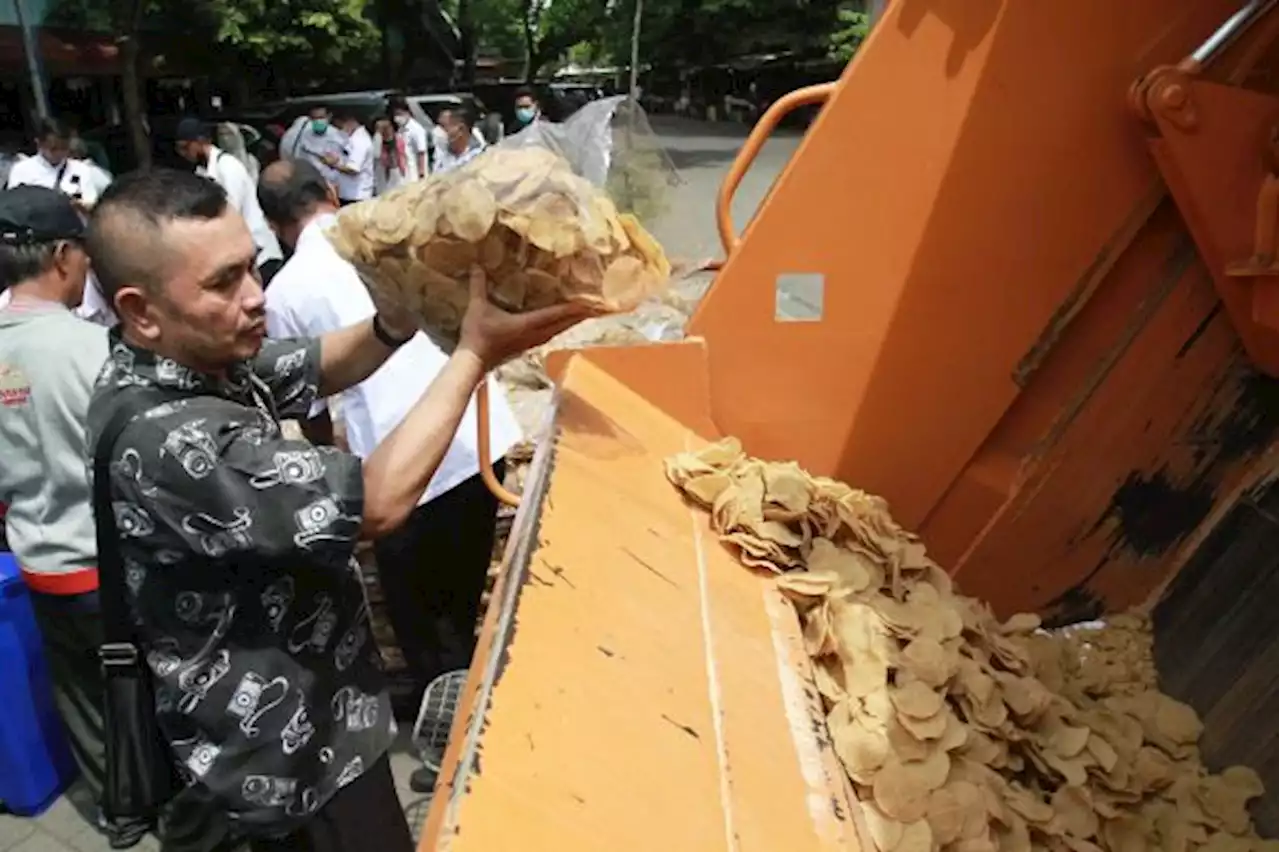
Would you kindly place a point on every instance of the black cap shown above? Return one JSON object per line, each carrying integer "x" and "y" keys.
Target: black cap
{"x": 35, "y": 214}
{"x": 191, "y": 129}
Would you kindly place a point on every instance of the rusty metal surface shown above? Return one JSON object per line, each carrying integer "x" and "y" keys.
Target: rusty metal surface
{"x": 636, "y": 688}
{"x": 1215, "y": 644}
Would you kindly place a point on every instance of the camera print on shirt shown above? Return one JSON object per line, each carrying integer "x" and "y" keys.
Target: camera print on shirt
{"x": 355, "y": 709}
{"x": 218, "y": 538}
{"x": 196, "y": 755}
{"x": 194, "y": 448}
{"x": 276, "y": 601}
{"x": 253, "y": 698}
{"x": 132, "y": 521}
{"x": 323, "y": 520}
{"x": 129, "y": 466}
{"x": 315, "y": 630}
{"x": 299, "y": 730}
{"x": 171, "y": 373}
{"x": 291, "y": 467}
{"x": 352, "y": 640}
{"x": 195, "y": 681}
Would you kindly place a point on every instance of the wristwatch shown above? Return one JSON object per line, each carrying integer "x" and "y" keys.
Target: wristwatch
{"x": 386, "y": 337}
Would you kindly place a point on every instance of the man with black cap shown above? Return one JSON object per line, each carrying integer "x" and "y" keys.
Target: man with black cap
{"x": 195, "y": 145}
{"x": 49, "y": 360}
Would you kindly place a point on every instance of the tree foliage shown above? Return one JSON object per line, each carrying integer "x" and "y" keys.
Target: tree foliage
{"x": 675, "y": 33}
{"x": 853, "y": 25}
{"x": 316, "y": 32}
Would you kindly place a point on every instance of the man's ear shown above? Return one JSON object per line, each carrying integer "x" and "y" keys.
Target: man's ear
{"x": 136, "y": 310}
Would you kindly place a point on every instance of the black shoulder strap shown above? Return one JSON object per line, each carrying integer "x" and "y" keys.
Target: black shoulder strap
{"x": 57, "y": 179}
{"x": 128, "y": 404}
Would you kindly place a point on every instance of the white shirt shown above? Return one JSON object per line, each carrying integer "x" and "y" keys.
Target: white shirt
{"x": 242, "y": 194}
{"x": 96, "y": 176}
{"x": 37, "y": 171}
{"x": 300, "y": 142}
{"x": 316, "y": 292}
{"x": 415, "y": 143}
{"x": 359, "y": 156}
{"x": 440, "y": 144}
{"x": 447, "y": 161}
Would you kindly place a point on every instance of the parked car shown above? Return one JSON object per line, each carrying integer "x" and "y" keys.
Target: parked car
{"x": 367, "y": 105}
{"x": 426, "y": 110}
{"x": 247, "y": 143}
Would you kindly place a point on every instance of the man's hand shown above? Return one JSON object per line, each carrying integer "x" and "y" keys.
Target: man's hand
{"x": 400, "y": 322}
{"x": 330, "y": 159}
{"x": 495, "y": 336}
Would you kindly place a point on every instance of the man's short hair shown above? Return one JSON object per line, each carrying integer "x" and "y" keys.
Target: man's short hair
{"x": 397, "y": 104}
{"x": 290, "y": 190}
{"x": 128, "y": 218}
{"x": 23, "y": 262}
{"x": 525, "y": 92}
{"x": 463, "y": 113}
{"x": 342, "y": 113}
{"x": 314, "y": 108}
{"x": 52, "y": 128}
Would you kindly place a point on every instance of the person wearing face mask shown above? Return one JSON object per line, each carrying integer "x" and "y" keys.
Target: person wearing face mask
{"x": 393, "y": 166}
{"x": 51, "y": 167}
{"x": 527, "y": 110}
{"x": 462, "y": 144}
{"x": 49, "y": 360}
{"x": 416, "y": 144}
{"x": 313, "y": 138}
{"x": 194, "y": 144}
{"x": 355, "y": 165}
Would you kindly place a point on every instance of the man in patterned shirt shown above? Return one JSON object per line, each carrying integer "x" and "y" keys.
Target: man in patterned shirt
{"x": 237, "y": 542}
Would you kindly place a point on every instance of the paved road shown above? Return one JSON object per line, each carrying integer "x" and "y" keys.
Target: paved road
{"x": 701, "y": 153}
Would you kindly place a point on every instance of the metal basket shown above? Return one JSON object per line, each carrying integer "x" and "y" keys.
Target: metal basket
{"x": 435, "y": 717}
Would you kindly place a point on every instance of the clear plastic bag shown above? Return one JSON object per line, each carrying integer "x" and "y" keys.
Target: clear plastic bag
{"x": 528, "y": 212}
{"x": 610, "y": 143}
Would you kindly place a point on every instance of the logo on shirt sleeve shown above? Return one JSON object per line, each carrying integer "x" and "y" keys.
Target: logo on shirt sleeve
{"x": 15, "y": 389}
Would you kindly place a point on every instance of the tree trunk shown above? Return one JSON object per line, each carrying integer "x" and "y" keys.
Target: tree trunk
{"x": 635, "y": 54}
{"x": 530, "y": 49}
{"x": 128, "y": 20}
{"x": 134, "y": 109}
{"x": 467, "y": 32}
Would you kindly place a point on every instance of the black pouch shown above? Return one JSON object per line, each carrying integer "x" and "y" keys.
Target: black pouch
{"x": 140, "y": 776}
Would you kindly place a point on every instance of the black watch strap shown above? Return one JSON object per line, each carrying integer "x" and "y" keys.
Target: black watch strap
{"x": 385, "y": 337}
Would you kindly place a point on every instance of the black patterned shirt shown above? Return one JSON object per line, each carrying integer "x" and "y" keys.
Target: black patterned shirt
{"x": 238, "y": 549}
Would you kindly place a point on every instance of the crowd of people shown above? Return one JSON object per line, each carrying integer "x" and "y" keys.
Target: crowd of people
{"x": 157, "y": 329}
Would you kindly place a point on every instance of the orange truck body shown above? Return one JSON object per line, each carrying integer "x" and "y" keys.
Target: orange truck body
{"x": 1039, "y": 242}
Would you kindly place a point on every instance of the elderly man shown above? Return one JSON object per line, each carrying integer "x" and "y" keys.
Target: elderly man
{"x": 49, "y": 359}
{"x": 453, "y": 526}
{"x": 461, "y": 143}
{"x": 238, "y": 542}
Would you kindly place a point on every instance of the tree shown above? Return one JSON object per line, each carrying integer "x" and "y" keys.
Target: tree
{"x": 552, "y": 28}
{"x": 298, "y": 33}
{"x": 854, "y": 23}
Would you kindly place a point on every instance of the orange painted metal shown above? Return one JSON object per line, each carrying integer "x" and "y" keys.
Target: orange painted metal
{"x": 768, "y": 123}
{"x": 636, "y": 687}
{"x": 1022, "y": 345}
{"x": 993, "y": 255}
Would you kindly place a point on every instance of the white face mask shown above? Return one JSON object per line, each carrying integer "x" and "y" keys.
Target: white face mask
{"x": 401, "y": 120}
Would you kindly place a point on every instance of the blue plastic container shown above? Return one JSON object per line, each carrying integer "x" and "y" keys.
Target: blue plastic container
{"x": 35, "y": 761}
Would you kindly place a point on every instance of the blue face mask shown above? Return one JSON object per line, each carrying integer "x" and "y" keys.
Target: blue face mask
{"x": 319, "y": 125}
{"x": 524, "y": 115}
